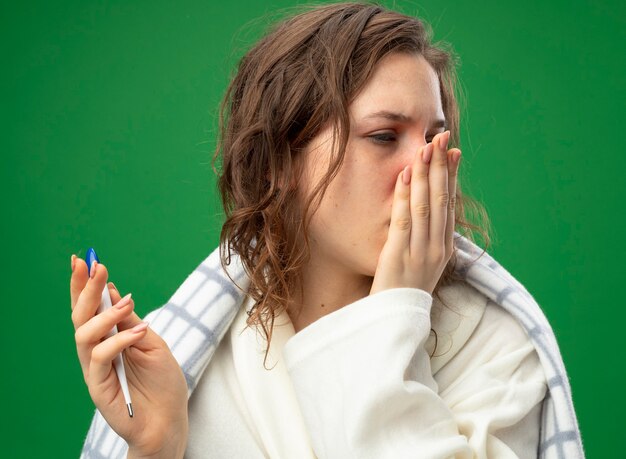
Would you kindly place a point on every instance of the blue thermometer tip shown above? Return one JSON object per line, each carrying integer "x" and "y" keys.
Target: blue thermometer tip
{"x": 90, "y": 258}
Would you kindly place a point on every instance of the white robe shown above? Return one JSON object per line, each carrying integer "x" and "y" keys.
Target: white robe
{"x": 479, "y": 396}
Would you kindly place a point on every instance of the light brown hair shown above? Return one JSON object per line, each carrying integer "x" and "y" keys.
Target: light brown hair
{"x": 299, "y": 77}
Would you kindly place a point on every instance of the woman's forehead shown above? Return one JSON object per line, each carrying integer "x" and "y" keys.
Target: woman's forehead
{"x": 402, "y": 84}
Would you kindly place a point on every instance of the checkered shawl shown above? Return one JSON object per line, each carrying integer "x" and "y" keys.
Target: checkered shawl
{"x": 200, "y": 312}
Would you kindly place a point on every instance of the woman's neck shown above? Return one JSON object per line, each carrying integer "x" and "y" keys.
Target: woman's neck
{"x": 326, "y": 288}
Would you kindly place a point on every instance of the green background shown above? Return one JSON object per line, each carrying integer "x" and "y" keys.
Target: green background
{"x": 109, "y": 115}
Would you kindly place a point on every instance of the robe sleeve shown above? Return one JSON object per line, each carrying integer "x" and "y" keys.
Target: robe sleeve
{"x": 364, "y": 383}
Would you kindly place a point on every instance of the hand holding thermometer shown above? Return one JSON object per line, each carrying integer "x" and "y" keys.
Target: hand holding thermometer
{"x": 118, "y": 362}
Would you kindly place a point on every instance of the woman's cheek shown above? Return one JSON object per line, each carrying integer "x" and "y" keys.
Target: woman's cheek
{"x": 389, "y": 191}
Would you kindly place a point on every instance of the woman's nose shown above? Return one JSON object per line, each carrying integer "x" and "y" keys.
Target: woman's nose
{"x": 411, "y": 150}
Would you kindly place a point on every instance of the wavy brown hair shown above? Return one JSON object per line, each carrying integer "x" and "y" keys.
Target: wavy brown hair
{"x": 301, "y": 76}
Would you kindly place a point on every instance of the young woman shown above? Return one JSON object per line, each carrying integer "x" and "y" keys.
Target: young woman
{"x": 343, "y": 315}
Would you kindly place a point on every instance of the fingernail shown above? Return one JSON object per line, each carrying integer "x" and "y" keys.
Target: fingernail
{"x": 139, "y": 328}
{"x": 427, "y": 152}
{"x": 121, "y": 304}
{"x": 73, "y": 262}
{"x": 406, "y": 175}
{"x": 457, "y": 157}
{"x": 112, "y": 285}
{"x": 92, "y": 271}
{"x": 443, "y": 140}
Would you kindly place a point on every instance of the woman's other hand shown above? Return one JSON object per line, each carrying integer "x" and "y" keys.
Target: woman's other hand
{"x": 419, "y": 243}
{"x": 156, "y": 383}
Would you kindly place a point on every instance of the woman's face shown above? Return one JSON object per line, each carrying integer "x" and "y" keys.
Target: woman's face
{"x": 398, "y": 110}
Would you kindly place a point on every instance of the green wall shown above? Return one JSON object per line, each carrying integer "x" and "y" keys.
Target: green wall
{"x": 108, "y": 117}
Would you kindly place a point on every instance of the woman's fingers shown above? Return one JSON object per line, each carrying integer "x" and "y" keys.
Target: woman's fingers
{"x": 453, "y": 171}
{"x": 439, "y": 192}
{"x": 420, "y": 200}
{"x": 90, "y": 297}
{"x": 99, "y": 326}
{"x": 91, "y": 333}
{"x": 128, "y": 321}
{"x": 400, "y": 224}
{"x": 103, "y": 354}
{"x": 78, "y": 279}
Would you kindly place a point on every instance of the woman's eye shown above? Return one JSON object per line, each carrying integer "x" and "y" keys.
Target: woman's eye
{"x": 383, "y": 138}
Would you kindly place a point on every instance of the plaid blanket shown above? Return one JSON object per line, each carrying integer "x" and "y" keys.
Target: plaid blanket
{"x": 201, "y": 310}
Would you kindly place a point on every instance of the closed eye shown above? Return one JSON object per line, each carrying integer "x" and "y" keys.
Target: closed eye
{"x": 383, "y": 138}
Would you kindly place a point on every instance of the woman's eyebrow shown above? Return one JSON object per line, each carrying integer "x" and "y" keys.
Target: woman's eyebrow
{"x": 401, "y": 117}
